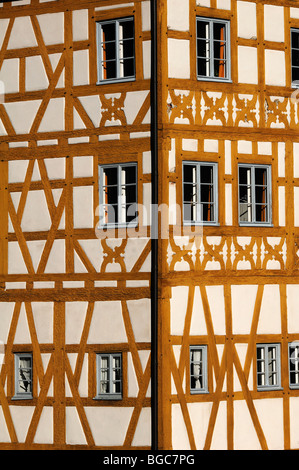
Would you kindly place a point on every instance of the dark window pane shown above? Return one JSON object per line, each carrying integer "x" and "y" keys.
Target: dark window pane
{"x": 203, "y": 48}
{"x": 219, "y": 31}
{"x": 189, "y": 172}
{"x": 203, "y": 30}
{"x": 126, "y": 29}
{"x": 108, "y": 32}
{"x": 261, "y": 176}
{"x": 203, "y": 67}
{"x": 295, "y": 58}
{"x": 244, "y": 175}
{"x": 206, "y": 174}
{"x": 128, "y": 67}
{"x": 295, "y": 39}
{"x": 110, "y": 176}
{"x": 295, "y": 74}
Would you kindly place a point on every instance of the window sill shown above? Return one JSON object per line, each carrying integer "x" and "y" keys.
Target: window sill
{"x": 212, "y": 79}
{"x": 21, "y": 397}
{"x": 116, "y": 80}
{"x": 199, "y": 392}
{"x": 269, "y": 389}
{"x": 256, "y": 224}
{"x": 108, "y": 398}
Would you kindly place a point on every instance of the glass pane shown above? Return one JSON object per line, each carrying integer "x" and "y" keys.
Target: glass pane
{"x": 203, "y": 30}
{"x": 110, "y": 176}
{"x": 295, "y": 39}
{"x": 220, "y": 68}
{"x": 196, "y": 370}
{"x": 203, "y": 48}
{"x": 206, "y": 174}
{"x": 203, "y": 67}
{"x": 219, "y": 31}
{"x": 207, "y": 212}
{"x": 261, "y": 176}
{"x": 189, "y": 174}
{"x": 244, "y": 175}
{"x": 295, "y": 74}
{"x": 109, "y": 69}
{"x": 295, "y": 58}
{"x": 126, "y": 29}
{"x": 190, "y": 212}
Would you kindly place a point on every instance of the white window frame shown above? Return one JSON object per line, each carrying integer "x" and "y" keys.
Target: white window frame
{"x": 109, "y": 395}
{"x": 266, "y": 372}
{"x": 204, "y": 369}
{"x": 118, "y": 77}
{"x": 254, "y": 222}
{"x": 294, "y": 359}
{"x": 19, "y": 394}
{"x": 198, "y": 219}
{"x": 120, "y": 201}
{"x": 211, "y": 77}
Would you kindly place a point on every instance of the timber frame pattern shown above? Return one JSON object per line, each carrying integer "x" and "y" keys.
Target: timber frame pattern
{"x": 61, "y": 274}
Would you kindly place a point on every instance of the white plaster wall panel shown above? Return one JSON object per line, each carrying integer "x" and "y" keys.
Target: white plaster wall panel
{"x": 133, "y": 388}
{"x": 92, "y": 107}
{"x": 146, "y": 162}
{"x": 133, "y": 102}
{"x": 35, "y": 74}
{"x": 21, "y": 417}
{"x": 224, "y": 4}
{"x": 178, "y": 308}
{"x": 22, "y": 335}
{"x": 77, "y": 121}
{"x": 94, "y": 252}
{"x": 296, "y": 206}
{"x": 219, "y": 439}
{"x": 22, "y": 34}
{"x": 9, "y": 75}
{"x": 178, "y": 58}
{"x": 83, "y": 383}
{"x": 15, "y": 197}
{"x": 44, "y": 431}
{"x": 43, "y": 320}
{"x": 270, "y": 415}
{"x": 172, "y": 204}
{"x": 74, "y": 431}
{"x": 245, "y": 146}
{"x": 281, "y": 159}
{"x": 52, "y": 27}
{"x": 294, "y": 12}
{"x": 16, "y": 264}
{"x": 133, "y": 250}
{"x": 146, "y": 54}
{"x": 22, "y": 114}
{"x": 107, "y": 325}
{"x": 7, "y": 309}
{"x": 146, "y": 15}
{"x": 200, "y": 413}
{"x": 246, "y": 19}
{"x": 203, "y": 3}
{"x": 210, "y": 145}
{"x": 292, "y": 308}
{"x": 140, "y": 315}
{"x": 142, "y": 435}
{"x": 81, "y": 67}
{"x": 281, "y": 205}
{"x": 198, "y": 322}
{"x": 80, "y": 25}
{"x": 17, "y": 170}
{"x": 108, "y": 424}
{"x": 36, "y": 248}
{"x": 245, "y": 436}
{"x": 228, "y": 158}
{"x": 82, "y": 166}
{"x": 190, "y": 145}
{"x": 36, "y": 215}
{"x": 274, "y": 23}
{"x": 4, "y": 434}
{"x": 55, "y": 168}
{"x": 178, "y": 15}
{"x": 264, "y": 148}
{"x": 172, "y": 159}
{"x": 53, "y": 119}
{"x": 3, "y": 28}
{"x": 180, "y": 438}
{"x": 54, "y": 59}
{"x": 243, "y": 301}
{"x": 228, "y": 204}
{"x": 147, "y": 198}
{"x": 215, "y": 296}
{"x": 241, "y": 349}
{"x": 75, "y": 314}
{"x": 83, "y": 207}
{"x": 294, "y": 422}
{"x": 275, "y": 68}
{"x": 270, "y": 315}
{"x": 56, "y": 260}
{"x": 247, "y": 65}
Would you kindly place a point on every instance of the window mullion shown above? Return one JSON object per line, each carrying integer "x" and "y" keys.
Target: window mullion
{"x": 253, "y": 194}
{"x": 198, "y": 194}
{"x": 211, "y": 49}
{"x": 117, "y": 48}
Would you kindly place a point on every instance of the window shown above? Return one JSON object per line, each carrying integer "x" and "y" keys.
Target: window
{"x": 268, "y": 366}
{"x": 118, "y": 195}
{"x": 109, "y": 376}
{"x": 199, "y": 192}
{"x": 254, "y": 194}
{"x": 213, "y": 49}
{"x": 198, "y": 369}
{"x": 116, "y": 50}
{"x": 295, "y": 55}
{"x": 23, "y": 375}
{"x": 294, "y": 365}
